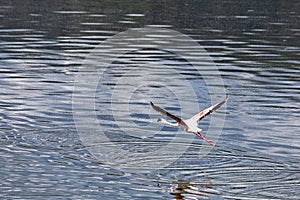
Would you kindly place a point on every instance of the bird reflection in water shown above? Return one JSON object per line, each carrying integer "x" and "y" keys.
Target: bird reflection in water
{"x": 189, "y": 190}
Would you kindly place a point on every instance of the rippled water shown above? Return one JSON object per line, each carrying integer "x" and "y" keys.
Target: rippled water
{"x": 45, "y": 46}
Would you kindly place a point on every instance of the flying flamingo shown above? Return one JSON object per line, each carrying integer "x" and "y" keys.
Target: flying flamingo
{"x": 189, "y": 125}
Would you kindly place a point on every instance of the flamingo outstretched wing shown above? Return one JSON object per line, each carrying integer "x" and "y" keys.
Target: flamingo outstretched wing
{"x": 163, "y": 112}
{"x": 199, "y": 116}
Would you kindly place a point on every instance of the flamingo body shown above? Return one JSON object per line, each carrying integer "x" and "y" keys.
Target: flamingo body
{"x": 189, "y": 125}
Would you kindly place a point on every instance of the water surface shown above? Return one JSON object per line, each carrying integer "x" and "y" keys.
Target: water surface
{"x": 255, "y": 46}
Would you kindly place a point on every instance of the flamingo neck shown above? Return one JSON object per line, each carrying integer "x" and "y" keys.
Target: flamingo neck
{"x": 163, "y": 121}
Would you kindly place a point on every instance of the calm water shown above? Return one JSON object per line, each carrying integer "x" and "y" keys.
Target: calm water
{"x": 44, "y": 46}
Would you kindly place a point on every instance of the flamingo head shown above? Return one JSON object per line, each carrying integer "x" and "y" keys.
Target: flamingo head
{"x": 161, "y": 120}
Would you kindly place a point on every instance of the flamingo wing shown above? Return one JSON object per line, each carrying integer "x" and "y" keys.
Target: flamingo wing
{"x": 163, "y": 112}
{"x": 199, "y": 116}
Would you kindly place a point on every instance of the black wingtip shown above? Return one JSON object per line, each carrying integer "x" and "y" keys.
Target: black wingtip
{"x": 151, "y": 103}
{"x": 226, "y": 99}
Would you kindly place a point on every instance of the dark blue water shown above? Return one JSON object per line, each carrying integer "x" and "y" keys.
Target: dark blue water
{"x": 74, "y": 127}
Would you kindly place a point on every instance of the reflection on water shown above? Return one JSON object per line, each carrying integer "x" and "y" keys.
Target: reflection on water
{"x": 187, "y": 190}
{"x": 255, "y": 46}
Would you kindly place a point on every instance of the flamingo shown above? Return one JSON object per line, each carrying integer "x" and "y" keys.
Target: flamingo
{"x": 190, "y": 125}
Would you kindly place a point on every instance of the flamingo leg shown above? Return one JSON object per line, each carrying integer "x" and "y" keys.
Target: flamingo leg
{"x": 206, "y": 140}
